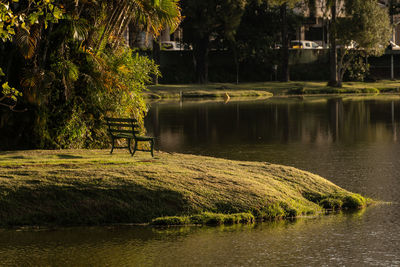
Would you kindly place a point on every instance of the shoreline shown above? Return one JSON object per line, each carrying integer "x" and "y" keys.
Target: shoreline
{"x": 268, "y": 89}
{"x": 92, "y": 187}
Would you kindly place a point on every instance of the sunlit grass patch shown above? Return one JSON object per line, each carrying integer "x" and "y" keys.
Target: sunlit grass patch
{"x": 206, "y": 218}
{"x": 81, "y": 187}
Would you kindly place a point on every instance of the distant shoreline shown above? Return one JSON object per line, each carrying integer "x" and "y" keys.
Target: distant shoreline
{"x": 267, "y": 89}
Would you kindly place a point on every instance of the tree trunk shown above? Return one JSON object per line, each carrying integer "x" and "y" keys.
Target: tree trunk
{"x": 112, "y": 21}
{"x": 200, "y": 51}
{"x": 65, "y": 82}
{"x": 333, "y": 79}
{"x": 122, "y": 30}
{"x": 132, "y": 34}
{"x": 341, "y": 67}
{"x": 236, "y": 59}
{"x": 285, "y": 76}
{"x": 123, "y": 24}
{"x": 46, "y": 45}
{"x": 156, "y": 57}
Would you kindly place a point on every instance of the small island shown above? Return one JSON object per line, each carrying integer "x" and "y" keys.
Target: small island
{"x": 92, "y": 187}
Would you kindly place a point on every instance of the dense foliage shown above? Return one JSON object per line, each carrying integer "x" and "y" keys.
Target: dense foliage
{"x": 251, "y": 29}
{"x": 23, "y": 18}
{"x": 261, "y": 32}
{"x": 71, "y": 67}
{"x": 367, "y": 26}
{"x": 284, "y": 5}
{"x": 206, "y": 21}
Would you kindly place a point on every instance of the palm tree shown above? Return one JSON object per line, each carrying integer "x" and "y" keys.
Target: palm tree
{"x": 154, "y": 15}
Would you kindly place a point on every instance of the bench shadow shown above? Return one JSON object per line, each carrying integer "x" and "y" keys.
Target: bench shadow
{"x": 66, "y": 156}
{"x": 17, "y": 157}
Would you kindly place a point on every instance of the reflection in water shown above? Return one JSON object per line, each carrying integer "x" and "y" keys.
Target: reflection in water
{"x": 283, "y": 121}
{"x": 394, "y": 124}
{"x": 352, "y": 142}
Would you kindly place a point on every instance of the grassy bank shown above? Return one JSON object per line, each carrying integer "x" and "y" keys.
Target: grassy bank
{"x": 209, "y": 91}
{"x": 266, "y": 88}
{"x": 86, "y": 187}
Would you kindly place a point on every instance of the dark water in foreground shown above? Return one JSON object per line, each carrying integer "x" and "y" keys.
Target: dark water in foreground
{"x": 351, "y": 141}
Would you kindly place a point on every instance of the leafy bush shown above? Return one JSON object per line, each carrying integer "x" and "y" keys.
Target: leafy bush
{"x": 354, "y": 201}
{"x": 170, "y": 220}
{"x": 107, "y": 85}
{"x": 340, "y": 201}
{"x": 272, "y": 211}
{"x": 358, "y": 68}
{"x": 331, "y": 203}
{"x": 76, "y": 131}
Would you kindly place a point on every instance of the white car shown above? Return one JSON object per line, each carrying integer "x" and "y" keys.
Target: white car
{"x": 173, "y": 46}
{"x": 393, "y": 46}
{"x": 303, "y": 44}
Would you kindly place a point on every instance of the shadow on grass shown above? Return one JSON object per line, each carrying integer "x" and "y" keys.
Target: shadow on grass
{"x": 93, "y": 205}
{"x": 66, "y": 156}
{"x": 17, "y": 157}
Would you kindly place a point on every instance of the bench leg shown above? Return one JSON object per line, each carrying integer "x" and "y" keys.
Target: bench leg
{"x": 134, "y": 148}
{"x": 112, "y": 148}
{"x": 129, "y": 145}
{"x": 152, "y": 147}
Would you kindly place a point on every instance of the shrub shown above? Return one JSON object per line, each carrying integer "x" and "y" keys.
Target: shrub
{"x": 331, "y": 203}
{"x": 354, "y": 201}
{"x": 289, "y": 212}
{"x": 358, "y": 70}
{"x": 272, "y": 211}
{"x": 170, "y": 220}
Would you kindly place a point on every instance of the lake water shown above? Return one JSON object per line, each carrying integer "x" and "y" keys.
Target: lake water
{"x": 353, "y": 142}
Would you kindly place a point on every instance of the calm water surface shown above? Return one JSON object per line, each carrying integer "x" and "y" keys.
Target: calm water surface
{"x": 351, "y": 141}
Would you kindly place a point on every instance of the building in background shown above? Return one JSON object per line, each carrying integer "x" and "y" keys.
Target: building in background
{"x": 393, "y": 7}
{"x": 316, "y": 13}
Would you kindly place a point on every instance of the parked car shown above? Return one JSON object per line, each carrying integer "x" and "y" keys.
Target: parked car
{"x": 351, "y": 45}
{"x": 303, "y": 44}
{"x": 173, "y": 46}
{"x": 393, "y": 46}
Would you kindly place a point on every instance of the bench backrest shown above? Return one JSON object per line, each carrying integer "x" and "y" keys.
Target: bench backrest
{"x": 122, "y": 125}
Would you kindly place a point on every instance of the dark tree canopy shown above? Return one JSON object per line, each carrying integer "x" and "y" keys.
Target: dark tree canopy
{"x": 206, "y": 20}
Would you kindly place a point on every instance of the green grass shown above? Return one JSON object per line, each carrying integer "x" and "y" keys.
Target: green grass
{"x": 205, "y": 218}
{"x": 265, "y": 89}
{"x": 89, "y": 187}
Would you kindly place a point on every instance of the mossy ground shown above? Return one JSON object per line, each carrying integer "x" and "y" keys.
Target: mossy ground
{"x": 87, "y": 187}
{"x": 206, "y": 218}
{"x": 266, "y": 88}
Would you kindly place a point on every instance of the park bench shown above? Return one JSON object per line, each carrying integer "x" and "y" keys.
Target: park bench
{"x": 124, "y": 128}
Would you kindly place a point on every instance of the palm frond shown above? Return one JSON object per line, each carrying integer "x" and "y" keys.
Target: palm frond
{"x": 27, "y": 41}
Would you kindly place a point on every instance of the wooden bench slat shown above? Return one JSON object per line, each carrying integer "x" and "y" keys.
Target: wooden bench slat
{"x": 119, "y": 136}
{"x": 111, "y": 124}
{"x": 123, "y": 131}
{"x": 120, "y": 120}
